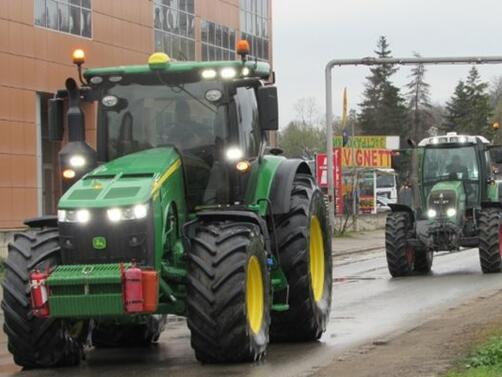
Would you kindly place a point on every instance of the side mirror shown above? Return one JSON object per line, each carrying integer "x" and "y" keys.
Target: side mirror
{"x": 400, "y": 158}
{"x": 496, "y": 154}
{"x": 268, "y": 108}
{"x": 56, "y": 119}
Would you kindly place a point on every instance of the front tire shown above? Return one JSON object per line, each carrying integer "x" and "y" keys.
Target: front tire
{"x": 35, "y": 342}
{"x": 400, "y": 256}
{"x": 228, "y": 293}
{"x": 490, "y": 240}
{"x": 304, "y": 239}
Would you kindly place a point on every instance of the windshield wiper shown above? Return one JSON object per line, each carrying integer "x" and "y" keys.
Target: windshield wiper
{"x": 214, "y": 110}
{"x": 180, "y": 86}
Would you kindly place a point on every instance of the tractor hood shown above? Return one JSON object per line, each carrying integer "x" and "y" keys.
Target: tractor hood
{"x": 128, "y": 180}
{"x": 447, "y": 195}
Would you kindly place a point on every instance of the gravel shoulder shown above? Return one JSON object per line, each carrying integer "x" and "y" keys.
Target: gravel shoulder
{"x": 429, "y": 349}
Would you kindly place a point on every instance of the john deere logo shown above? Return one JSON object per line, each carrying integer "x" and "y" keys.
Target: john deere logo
{"x": 99, "y": 243}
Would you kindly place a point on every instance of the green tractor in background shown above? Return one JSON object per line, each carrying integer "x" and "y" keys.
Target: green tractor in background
{"x": 182, "y": 209}
{"x": 455, "y": 202}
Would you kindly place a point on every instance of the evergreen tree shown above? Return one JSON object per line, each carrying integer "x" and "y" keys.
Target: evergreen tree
{"x": 469, "y": 109}
{"x": 419, "y": 105}
{"x": 382, "y": 111}
{"x": 480, "y": 106}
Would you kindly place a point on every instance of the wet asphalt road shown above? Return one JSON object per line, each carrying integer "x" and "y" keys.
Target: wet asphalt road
{"x": 368, "y": 306}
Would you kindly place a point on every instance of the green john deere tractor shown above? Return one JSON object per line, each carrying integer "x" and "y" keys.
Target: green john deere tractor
{"x": 454, "y": 202}
{"x": 182, "y": 209}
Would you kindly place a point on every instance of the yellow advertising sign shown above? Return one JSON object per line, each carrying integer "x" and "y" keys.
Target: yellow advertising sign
{"x": 366, "y": 158}
{"x": 362, "y": 142}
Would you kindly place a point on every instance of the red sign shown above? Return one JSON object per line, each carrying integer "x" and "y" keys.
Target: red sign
{"x": 322, "y": 175}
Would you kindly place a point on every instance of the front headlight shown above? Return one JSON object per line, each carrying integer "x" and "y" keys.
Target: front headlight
{"x": 431, "y": 213}
{"x": 81, "y": 216}
{"x": 450, "y": 212}
{"x": 127, "y": 213}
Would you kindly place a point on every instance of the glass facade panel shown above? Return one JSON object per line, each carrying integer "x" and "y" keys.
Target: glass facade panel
{"x": 174, "y": 25}
{"x": 218, "y": 41}
{"x": 254, "y": 27}
{"x": 67, "y": 16}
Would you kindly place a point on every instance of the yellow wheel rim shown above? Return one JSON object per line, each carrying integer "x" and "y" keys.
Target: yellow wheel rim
{"x": 316, "y": 258}
{"x": 254, "y": 294}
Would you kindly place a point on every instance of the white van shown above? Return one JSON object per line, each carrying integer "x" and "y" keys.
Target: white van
{"x": 386, "y": 184}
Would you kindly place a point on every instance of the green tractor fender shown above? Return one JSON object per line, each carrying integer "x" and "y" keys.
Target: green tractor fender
{"x": 273, "y": 183}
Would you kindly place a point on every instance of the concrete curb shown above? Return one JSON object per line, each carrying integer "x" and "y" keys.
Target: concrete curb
{"x": 357, "y": 251}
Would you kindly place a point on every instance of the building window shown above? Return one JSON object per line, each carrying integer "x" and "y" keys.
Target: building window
{"x": 218, "y": 42}
{"x": 173, "y": 22}
{"x": 254, "y": 23}
{"x": 67, "y": 16}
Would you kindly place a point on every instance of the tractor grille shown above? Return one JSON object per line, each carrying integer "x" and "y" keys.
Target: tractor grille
{"x": 124, "y": 241}
{"x": 442, "y": 200}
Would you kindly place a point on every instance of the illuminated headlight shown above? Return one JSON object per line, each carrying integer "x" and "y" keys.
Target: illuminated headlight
{"x": 431, "y": 213}
{"x": 208, "y": 74}
{"x": 77, "y": 161}
{"x": 128, "y": 213}
{"x": 74, "y": 216}
{"x": 140, "y": 211}
{"x": 83, "y": 216}
{"x": 228, "y": 73}
{"x": 245, "y": 71}
{"x": 234, "y": 154}
{"x": 450, "y": 212}
{"x": 114, "y": 214}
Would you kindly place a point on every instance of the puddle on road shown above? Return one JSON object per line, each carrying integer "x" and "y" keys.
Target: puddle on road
{"x": 355, "y": 279}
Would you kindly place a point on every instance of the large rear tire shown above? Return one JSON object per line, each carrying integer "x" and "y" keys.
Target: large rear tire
{"x": 114, "y": 335}
{"x": 490, "y": 240}
{"x": 400, "y": 256}
{"x": 35, "y": 342}
{"x": 228, "y": 293}
{"x": 304, "y": 239}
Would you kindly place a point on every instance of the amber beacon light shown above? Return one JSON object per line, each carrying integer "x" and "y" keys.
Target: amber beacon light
{"x": 243, "y": 48}
{"x": 78, "y": 56}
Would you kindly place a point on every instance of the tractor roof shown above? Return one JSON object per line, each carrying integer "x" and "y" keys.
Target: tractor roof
{"x": 453, "y": 138}
{"x": 213, "y": 69}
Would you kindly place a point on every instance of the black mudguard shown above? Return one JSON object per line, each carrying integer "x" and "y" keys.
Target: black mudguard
{"x": 282, "y": 184}
{"x": 233, "y": 215}
{"x": 402, "y": 208}
{"x": 42, "y": 222}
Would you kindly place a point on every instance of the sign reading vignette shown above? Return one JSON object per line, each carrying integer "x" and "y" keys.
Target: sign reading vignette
{"x": 369, "y": 152}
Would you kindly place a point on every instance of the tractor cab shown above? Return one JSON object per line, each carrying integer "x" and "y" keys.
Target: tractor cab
{"x": 451, "y": 174}
{"x": 213, "y": 114}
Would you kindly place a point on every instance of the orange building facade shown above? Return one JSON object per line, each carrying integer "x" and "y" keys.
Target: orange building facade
{"x": 37, "y": 38}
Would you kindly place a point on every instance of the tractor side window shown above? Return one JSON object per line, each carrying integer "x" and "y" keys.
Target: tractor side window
{"x": 247, "y": 113}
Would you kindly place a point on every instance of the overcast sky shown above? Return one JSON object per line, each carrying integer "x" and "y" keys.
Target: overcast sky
{"x": 307, "y": 34}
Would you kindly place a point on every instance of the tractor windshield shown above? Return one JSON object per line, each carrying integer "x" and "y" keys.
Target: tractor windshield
{"x": 138, "y": 116}
{"x": 452, "y": 164}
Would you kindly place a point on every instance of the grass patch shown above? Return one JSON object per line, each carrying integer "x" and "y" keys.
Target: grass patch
{"x": 485, "y": 361}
